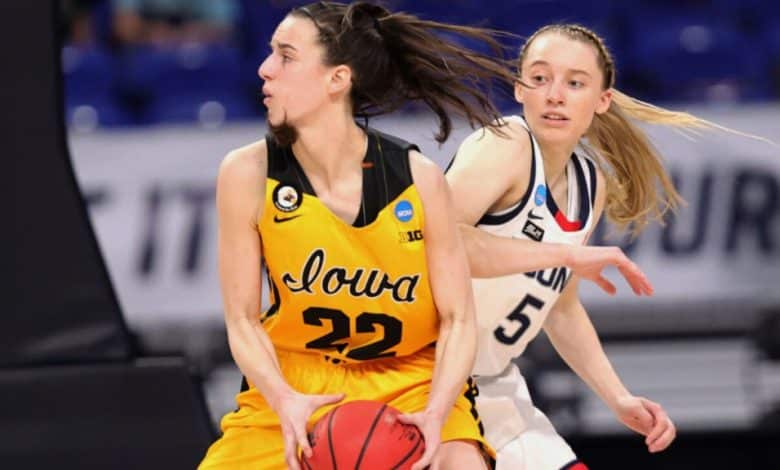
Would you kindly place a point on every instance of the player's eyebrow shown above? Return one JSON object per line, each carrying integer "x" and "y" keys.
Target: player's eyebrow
{"x": 283, "y": 45}
{"x": 542, "y": 62}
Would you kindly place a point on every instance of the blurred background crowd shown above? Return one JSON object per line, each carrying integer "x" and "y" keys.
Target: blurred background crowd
{"x": 144, "y": 62}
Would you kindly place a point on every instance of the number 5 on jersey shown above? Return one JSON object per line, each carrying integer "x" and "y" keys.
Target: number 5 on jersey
{"x": 517, "y": 322}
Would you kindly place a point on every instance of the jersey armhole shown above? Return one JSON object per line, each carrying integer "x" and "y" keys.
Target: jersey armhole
{"x": 505, "y": 216}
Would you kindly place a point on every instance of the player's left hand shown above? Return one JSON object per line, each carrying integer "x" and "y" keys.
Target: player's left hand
{"x": 649, "y": 419}
{"x": 430, "y": 427}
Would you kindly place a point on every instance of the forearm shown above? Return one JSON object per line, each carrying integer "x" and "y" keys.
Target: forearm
{"x": 492, "y": 256}
{"x": 576, "y": 341}
{"x": 456, "y": 350}
{"x": 255, "y": 356}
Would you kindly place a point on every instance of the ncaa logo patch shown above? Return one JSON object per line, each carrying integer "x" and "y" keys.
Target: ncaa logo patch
{"x": 541, "y": 195}
{"x": 404, "y": 211}
{"x": 286, "y": 198}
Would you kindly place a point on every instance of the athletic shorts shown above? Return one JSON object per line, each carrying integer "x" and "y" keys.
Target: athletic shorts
{"x": 252, "y": 435}
{"x": 522, "y": 435}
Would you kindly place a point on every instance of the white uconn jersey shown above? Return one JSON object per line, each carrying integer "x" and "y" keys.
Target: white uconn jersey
{"x": 511, "y": 309}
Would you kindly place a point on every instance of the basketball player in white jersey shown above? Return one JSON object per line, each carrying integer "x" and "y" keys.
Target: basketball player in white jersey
{"x": 535, "y": 196}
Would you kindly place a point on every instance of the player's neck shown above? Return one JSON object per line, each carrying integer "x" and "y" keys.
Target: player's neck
{"x": 328, "y": 149}
{"x": 555, "y": 157}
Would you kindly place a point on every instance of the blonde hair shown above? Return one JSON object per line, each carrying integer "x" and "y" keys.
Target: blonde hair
{"x": 639, "y": 188}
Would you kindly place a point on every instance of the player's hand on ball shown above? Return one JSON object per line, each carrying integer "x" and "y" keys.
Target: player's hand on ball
{"x": 649, "y": 419}
{"x": 294, "y": 410}
{"x": 588, "y": 262}
{"x": 430, "y": 426}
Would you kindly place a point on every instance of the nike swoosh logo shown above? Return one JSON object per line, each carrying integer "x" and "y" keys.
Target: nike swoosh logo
{"x": 533, "y": 216}
{"x": 279, "y": 220}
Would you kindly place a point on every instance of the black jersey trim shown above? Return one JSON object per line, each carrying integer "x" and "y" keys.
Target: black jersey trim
{"x": 585, "y": 190}
{"x": 593, "y": 176}
{"x": 386, "y": 172}
{"x": 277, "y": 301}
{"x": 284, "y": 168}
{"x": 582, "y": 186}
{"x": 500, "y": 219}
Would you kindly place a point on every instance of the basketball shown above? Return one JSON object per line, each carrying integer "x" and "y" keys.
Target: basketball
{"x": 363, "y": 435}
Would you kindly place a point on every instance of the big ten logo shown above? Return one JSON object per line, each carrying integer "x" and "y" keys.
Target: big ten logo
{"x": 410, "y": 236}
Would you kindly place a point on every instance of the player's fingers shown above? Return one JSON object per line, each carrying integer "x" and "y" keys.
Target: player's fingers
{"x": 637, "y": 279}
{"x": 290, "y": 450}
{"x": 641, "y": 424}
{"x": 664, "y": 440}
{"x": 657, "y": 430}
{"x": 662, "y": 421}
{"x": 303, "y": 442}
{"x": 436, "y": 463}
{"x": 607, "y": 286}
{"x": 426, "y": 458}
{"x": 645, "y": 424}
{"x": 292, "y": 461}
{"x": 647, "y": 286}
{"x": 635, "y": 282}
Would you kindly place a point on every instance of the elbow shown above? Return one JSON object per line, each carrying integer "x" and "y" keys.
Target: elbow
{"x": 464, "y": 327}
{"x": 237, "y": 317}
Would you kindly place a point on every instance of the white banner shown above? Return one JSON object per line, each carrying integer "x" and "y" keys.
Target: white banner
{"x": 151, "y": 194}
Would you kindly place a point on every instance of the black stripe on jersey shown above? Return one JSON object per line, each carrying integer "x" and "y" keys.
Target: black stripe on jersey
{"x": 283, "y": 167}
{"x": 582, "y": 186}
{"x": 452, "y": 161}
{"x": 386, "y": 172}
{"x": 499, "y": 219}
{"x": 592, "y": 171}
{"x": 471, "y": 393}
{"x": 277, "y": 302}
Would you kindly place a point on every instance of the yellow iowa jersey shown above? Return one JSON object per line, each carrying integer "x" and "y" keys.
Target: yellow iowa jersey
{"x": 351, "y": 292}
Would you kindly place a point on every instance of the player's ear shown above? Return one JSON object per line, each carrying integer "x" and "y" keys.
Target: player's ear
{"x": 604, "y": 101}
{"x": 519, "y": 88}
{"x": 340, "y": 79}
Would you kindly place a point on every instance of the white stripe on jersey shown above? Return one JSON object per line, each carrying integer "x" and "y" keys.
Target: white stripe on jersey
{"x": 511, "y": 309}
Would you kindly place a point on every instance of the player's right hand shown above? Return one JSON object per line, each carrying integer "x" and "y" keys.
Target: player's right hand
{"x": 588, "y": 262}
{"x": 294, "y": 410}
{"x": 430, "y": 426}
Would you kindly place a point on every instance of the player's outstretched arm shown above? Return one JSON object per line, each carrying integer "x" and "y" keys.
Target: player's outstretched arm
{"x": 489, "y": 168}
{"x": 572, "y": 334}
{"x": 574, "y": 338}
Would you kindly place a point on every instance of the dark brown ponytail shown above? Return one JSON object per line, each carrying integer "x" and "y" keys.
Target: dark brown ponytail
{"x": 398, "y": 58}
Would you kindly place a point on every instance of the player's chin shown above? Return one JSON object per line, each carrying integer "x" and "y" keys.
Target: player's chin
{"x": 274, "y": 117}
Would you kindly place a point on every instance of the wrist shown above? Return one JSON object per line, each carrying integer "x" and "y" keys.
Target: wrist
{"x": 615, "y": 400}
{"x": 278, "y": 394}
{"x": 568, "y": 254}
{"x": 433, "y": 412}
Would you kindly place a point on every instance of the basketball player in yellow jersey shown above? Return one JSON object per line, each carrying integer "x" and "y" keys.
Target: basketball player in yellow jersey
{"x": 369, "y": 282}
